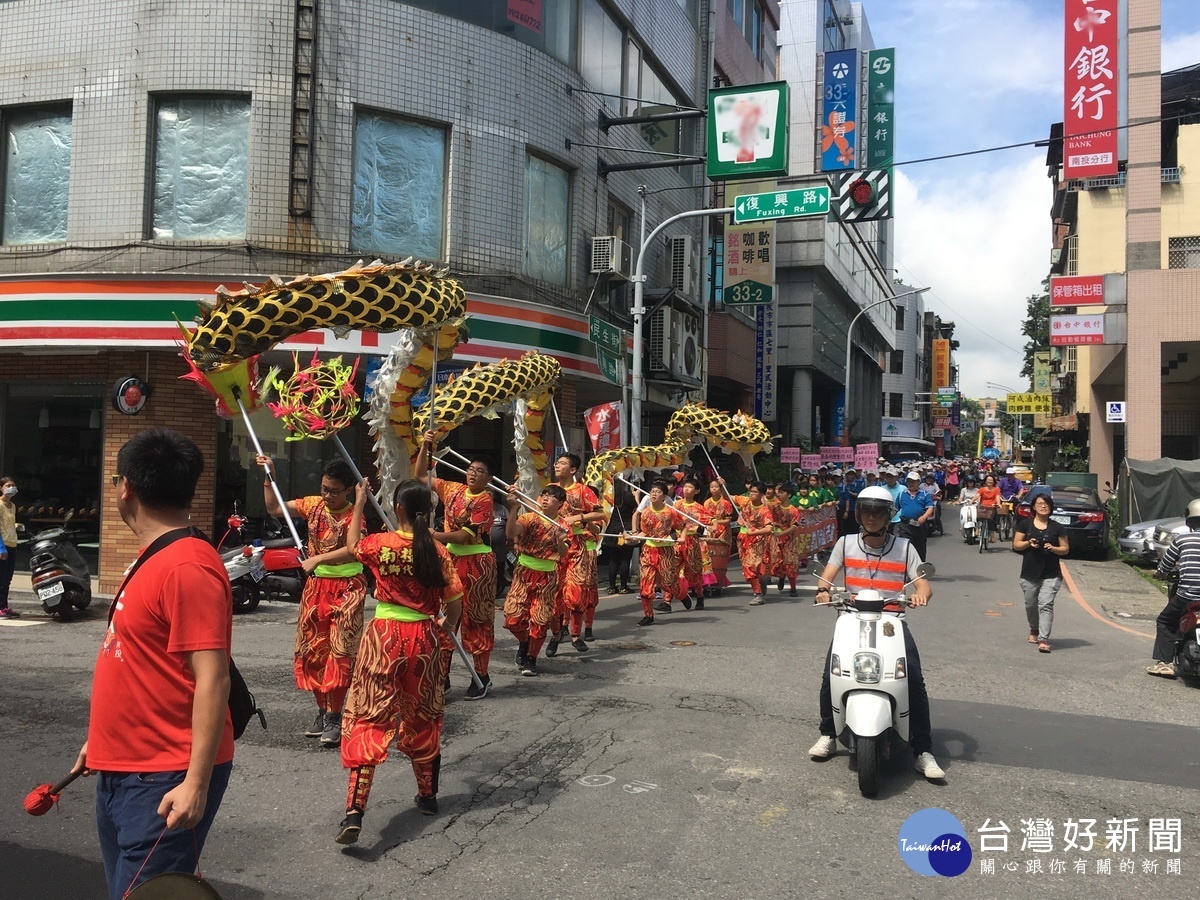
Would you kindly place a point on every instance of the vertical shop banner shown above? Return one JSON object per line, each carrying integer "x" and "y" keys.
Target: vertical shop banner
{"x": 527, "y": 13}
{"x": 603, "y": 424}
{"x": 1090, "y": 86}
{"x": 1041, "y": 384}
{"x": 881, "y": 108}
{"x": 749, "y": 276}
{"x": 839, "y": 112}
{"x": 764, "y": 363}
{"x": 839, "y": 419}
{"x": 939, "y": 376}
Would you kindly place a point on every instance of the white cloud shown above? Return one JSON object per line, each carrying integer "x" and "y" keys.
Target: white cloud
{"x": 982, "y": 243}
{"x": 1181, "y": 50}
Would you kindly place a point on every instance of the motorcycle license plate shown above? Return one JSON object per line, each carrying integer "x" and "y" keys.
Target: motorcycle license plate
{"x": 258, "y": 572}
{"x": 1061, "y": 520}
{"x": 53, "y": 591}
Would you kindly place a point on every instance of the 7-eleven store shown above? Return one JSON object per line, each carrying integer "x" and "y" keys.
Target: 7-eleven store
{"x": 67, "y": 341}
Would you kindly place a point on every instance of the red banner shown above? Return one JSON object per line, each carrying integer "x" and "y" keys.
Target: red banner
{"x": 527, "y": 13}
{"x": 603, "y": 424}
{"x": 1077, "y": 290}
{"x": 817, "y": 529}
{"x": 1090, "y": 89}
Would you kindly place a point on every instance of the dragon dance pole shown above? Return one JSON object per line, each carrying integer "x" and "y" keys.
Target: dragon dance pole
{"x": 237, "y": 395}
{"x": 724, "y": 487}
{"x": 358, "y": 479}
{"x": 680, "y": 511}
{"x": 500, "y": 487}
{"x": 557, "y": 421}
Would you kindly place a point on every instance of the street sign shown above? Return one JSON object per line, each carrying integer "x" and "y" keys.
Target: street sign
{"x": 945, "y": 399}
{"x": 1028, "y": 404}
{"x": 812, "y": 201}
{"x": 606, "y": 336}
{"x": 611, "y": 367}
{"x": 1115, "y": 411}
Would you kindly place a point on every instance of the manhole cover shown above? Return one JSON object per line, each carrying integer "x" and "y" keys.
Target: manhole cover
{"x": 630, "y": 646}
{"x": 683, "y": 643}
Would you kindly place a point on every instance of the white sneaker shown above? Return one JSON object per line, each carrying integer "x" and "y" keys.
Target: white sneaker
{"x": 758, "y": 600}
{"x": 928, "y": 766}
{"x": 824, "y": 748}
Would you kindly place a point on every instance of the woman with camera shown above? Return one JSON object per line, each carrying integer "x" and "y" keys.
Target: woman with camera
{"x": 1041, "y": 543}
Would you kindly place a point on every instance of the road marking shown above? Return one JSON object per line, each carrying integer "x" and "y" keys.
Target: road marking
{"x": 991, "y": 612}
{"x": 1079, "y": 599}
{"x": 21, "y": 623}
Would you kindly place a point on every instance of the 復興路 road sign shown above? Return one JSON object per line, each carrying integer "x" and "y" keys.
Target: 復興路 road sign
{"x": 811, "y": 201}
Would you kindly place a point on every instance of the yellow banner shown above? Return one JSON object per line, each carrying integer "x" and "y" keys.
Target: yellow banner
{"x": 1029, "y": 404}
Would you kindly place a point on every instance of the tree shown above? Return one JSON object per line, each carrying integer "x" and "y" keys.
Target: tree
{"x": 1036, "y": 326}
{"x": 970, "y": 417}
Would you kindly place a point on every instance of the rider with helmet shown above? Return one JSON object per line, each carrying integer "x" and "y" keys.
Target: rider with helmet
{"x": 1182, "y": 559}
{"x": 876, "y": 560}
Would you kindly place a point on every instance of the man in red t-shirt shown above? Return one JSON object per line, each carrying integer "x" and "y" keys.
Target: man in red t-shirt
{"x": 159, "y": 732}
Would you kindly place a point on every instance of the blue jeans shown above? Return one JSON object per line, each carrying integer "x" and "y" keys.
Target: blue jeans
{"x": 128, "y": 823}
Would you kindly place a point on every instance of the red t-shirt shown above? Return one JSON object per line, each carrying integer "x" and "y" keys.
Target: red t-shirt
{"x": 389, "y": 556}
{"x": 141, "y": 709}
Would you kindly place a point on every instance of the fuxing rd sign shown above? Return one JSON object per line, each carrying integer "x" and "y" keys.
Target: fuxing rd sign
{"x": 813, "y": 201}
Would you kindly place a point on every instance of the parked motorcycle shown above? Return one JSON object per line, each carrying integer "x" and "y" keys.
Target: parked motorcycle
{"x": 260, "y": 569}
{"x": 967, "y": 522}
{"x": 59, "y": 573}
{"x": 868, "y": 678}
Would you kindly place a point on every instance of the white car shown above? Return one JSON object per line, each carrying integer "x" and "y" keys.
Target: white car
{"x": 1164, "y": 530}
{"x": 1136, "y": 539}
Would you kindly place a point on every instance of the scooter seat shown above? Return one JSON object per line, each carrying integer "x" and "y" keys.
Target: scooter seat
{"x": 271, "y": 543}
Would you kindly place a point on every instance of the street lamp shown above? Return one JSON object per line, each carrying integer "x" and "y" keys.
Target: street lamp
{"x": 850, "y": 332}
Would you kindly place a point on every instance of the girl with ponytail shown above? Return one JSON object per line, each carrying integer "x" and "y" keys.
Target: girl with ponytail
{"x": 397, "y": 690}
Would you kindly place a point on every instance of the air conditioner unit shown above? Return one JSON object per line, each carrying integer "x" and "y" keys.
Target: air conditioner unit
{"x": 611, "y": 256}
{"x": 685, "y": 264}
{"x": 686, "y": 351}
{"x": 658, "y": 347}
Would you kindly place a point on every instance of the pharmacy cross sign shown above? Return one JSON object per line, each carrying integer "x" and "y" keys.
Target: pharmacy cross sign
{"x": 813, "y": 201}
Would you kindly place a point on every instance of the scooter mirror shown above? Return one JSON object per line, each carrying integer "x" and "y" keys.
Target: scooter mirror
{"x": 816, "y": 569}
{"x": 926, "y": 570}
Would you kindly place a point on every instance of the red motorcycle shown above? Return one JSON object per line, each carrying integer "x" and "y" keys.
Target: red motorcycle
{"x": 260, "y": 569}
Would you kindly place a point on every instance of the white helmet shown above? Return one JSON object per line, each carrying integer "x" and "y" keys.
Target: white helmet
{"x": 1192, "y": 518}
{"x": 875, "y": 497}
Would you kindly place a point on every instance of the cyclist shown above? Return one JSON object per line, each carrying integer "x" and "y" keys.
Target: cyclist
{"x": 1011, "y": 491}
{"x": 989, "y": 498}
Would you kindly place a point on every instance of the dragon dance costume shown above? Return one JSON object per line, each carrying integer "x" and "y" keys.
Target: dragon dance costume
{"x": 475, "y": 564}
{"x": 659, "y": 566}
{"x": 530, "y": 604}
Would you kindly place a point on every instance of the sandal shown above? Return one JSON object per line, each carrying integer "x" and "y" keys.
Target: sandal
{"x": 1033, "y": 636}
{"x": 1162, "y": 670}
{"x": 1043, "y": 646}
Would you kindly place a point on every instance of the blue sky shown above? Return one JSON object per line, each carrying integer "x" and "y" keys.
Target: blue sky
{"x": 974, "y": 74}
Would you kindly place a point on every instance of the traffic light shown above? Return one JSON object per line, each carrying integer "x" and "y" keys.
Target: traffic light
{"x": 861, "y": 193}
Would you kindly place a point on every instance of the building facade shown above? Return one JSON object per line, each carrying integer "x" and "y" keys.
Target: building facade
{"x": 906, "y": 380}
{"x": 154, "y": 153}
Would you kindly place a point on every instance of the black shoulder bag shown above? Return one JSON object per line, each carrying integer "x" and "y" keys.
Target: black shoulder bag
{"x": 242, "y": 705}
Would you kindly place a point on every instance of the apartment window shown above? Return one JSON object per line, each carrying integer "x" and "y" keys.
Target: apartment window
{"x": 895, "y": 406}
{"x": 600, "y": 52}
{"x": 36, "y": 175}
{"x": 1183, "y": 253}
{"x": 618, "y": 221}
{"x": 399, "y": 187}
{"x": 899, "y": 318}
{"x": 737, "y": 9}
{"x": 835, "y": 38}
{"x": 548, "y": 25}
{"x": 547, "y": 220}
{"x": 201, "y": 163}
{"x": 897, "y": 362}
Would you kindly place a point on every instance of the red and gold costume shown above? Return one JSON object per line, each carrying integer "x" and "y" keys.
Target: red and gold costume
{"x": 578, "y": 594}
{"x": 529, "y": 606}
{"x": 659, "y": 569}
{"x": 720, "y": 538}
{"x": 753, "y": 549}
{"x": 475, "y": 564}
{"x": 773, "y": 557}
{"x": 789, "y": 544}
{"x": 397, "y": 692}
{"x": 330, "y": 620}
{"x": 688, "y": 551}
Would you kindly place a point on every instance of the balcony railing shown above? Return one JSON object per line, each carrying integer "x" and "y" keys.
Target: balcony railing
{"x": 1170, "y": 175}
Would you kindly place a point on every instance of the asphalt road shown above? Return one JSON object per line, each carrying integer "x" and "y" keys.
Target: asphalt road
{"x": 667, "y": 762}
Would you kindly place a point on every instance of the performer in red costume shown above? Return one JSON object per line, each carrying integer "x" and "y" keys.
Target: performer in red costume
{"x": 578, "y": 592}
{"x": 529, "y": 606}
{"x": 659, "y": 524}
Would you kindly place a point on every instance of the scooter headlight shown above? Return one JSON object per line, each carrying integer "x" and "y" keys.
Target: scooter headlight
{"x": 868, "y": 668}
{"x": 835, "y": 665}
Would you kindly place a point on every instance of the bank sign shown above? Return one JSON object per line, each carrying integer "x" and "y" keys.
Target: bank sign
{"x": 747, "y": 131}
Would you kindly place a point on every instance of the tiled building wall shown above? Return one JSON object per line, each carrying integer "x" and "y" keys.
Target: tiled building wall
{"x": 499, "y": 99}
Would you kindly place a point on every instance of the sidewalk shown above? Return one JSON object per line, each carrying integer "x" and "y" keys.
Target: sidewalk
{"x": 1113, "y": 588}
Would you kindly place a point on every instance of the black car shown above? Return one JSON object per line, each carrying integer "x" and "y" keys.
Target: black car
{"x": 1081, "y": 513}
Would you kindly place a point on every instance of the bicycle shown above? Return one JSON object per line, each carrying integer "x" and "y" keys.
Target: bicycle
{"x": 1004, "y": 522}
{"x": 983, "y": 519}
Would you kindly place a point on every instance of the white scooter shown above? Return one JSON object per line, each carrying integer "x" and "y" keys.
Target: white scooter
{"x": 869, "y": 678}
{"x": 968, "y": 522}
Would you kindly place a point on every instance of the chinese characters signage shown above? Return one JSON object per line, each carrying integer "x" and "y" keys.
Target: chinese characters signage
{"x": 789, "y": 455}
{"x": 1076, "y": 330}
{"x": 764, "y": 363}
{"x": 527, "y": 13}
{"x": 839, "y": 111}
{"x": 940, "y": 375}
{"x": 747, "y": 131}
{"x": 604, "y": 426}
{"x": 1090, "y": 89}
{"x": 881, "y": 108}
{"x": 1117, "y": 846}
{"x": 611, "y": 367}
{"x": 1077, "y": 290}
{"x": 1028, "y": 404}
{"x": 749, "y": 276}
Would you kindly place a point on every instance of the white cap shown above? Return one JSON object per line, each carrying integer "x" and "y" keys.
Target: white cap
{"x": 912, "y": 476}
{"x": 1011, "y": 470}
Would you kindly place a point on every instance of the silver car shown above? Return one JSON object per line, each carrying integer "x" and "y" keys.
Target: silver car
{"x": 1135, "y": 539}
{"x": 1164, "y": 530}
